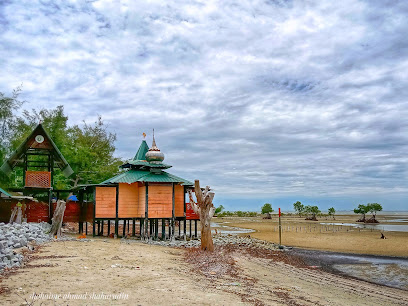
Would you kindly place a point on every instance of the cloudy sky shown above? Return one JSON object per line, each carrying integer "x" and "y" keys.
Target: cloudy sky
{"x": 272, "y": 101}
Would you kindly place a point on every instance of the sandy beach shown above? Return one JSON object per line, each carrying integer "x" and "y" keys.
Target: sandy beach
{"x": 298, "y": 232}
{"x": 142, "y": 274}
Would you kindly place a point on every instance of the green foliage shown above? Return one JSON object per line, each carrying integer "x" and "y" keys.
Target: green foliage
{"x": 267, "y": 208}
{"x": 311, "y": 210}
{"x": 237, "y": 214}
{"x": 88, "y": 148}
{"x": 8, "y": 106}
{"x": 219, "y": 209}
{"x": 361, "y": 209}
{"x": 373, "y": 208}
{"x": 331, "y": 211}
{"x": 299, "y": 207}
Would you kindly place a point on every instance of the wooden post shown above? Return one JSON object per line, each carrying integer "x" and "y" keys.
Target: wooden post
{"x": 141, "y": 228}
{"x": 163, "y": 229}
{"x": 102, "y": 227}
{"x": 280, "y": 228}
{"x": 134, "y": 227}
{"x": 156, "y": 229}
{"x": 173, "y": 220}
{"x": 191, "y": 234}
{"x": 195, "y": 229}
{"x": 94, "y": 210}
{"x": 108, "y": 227}
{"x": 86, "y": 228}
{"x": 147, "y": 211}
{"x": 117, "y": 212}
{"x": 124, "y": 228}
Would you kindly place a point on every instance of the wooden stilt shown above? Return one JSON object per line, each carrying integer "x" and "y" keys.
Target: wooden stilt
{"x": 86, "y": 228}
{"x": 102, "y": 227}
{"x": 128, "y": 229}
{"x": 156, "y": 230}
{"x": 195, "y": 229}
{"x": 179, "y": 223}
{"x": 93, "y": 228}
{"x": 133, "y": 227}
{"x": 185, "y": 228}
{"x": 124, "y": 228}
{"x": 108, "y": 228}
{"x": 190, "y": 230}
{"x": 141, "y": 228}
{"x": 163, "y": 237}
{"x": 99, "y": 227}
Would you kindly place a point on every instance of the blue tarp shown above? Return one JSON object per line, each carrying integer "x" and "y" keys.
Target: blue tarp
{"x": 73, "y": 198}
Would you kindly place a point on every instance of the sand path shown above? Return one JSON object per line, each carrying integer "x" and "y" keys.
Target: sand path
{"x": 155, "y": 275}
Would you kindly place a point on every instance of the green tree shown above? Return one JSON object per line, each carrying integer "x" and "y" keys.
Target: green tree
{"x": 299, "y": 208}
{"x": 219, "y": 209}
{"x": 267, "y": 208}
{"x": 88, "y": 148}
{"x": 362, "y": 210}
{"x": 331, "y": 212}
{"x": 373, "y": 208}
{"x": 8, "y": 106}
{"x": 312, "y": 211}
{"x": 91, "y": 153}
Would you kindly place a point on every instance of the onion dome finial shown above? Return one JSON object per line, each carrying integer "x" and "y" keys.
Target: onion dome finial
{"x": 154, "y": 155}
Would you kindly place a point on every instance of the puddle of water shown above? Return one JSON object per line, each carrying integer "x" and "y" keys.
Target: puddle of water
{"x": 390, "y": 274}
{"x": 229, "y": 230}
{"x": 382, "y": 270}
{"x": 380, "y": 227}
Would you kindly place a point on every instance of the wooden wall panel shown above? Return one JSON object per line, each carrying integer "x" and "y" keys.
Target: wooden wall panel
{"x": 105, "y": 198}
{"x": 142, "y": 199}
{"x": 179, "y": 200}
{"x": 129, "y": 201}
{"x": 160, "y": 201}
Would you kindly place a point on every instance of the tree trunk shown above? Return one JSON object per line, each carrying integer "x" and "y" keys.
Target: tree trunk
{"x": 205, "y": 210}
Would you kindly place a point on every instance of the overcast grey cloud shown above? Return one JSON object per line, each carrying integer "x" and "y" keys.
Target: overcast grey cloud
{"x": 262, "y": 100}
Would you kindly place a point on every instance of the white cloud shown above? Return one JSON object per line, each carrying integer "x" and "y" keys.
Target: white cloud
{"x": 271, "y": 97}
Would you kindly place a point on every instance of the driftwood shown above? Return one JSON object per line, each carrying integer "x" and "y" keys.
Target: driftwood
{"x": 16, "y": 215}
{"x": 57, "y": 219}
{"x": 205, "y": 209}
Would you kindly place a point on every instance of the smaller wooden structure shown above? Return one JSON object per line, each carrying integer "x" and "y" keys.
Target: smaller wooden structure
{"x": 144, "y": 194}
{"x": 39, "y": 157}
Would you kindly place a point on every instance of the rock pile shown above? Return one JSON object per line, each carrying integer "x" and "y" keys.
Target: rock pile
{"x": 220, "y": 240}
{"x": 14, "y": 236}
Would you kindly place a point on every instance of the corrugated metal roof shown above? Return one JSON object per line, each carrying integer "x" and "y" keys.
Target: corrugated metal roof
{"x": 133, "y": 176}
{"x": 164, "y": 177}
{"x": 5, "y": 192}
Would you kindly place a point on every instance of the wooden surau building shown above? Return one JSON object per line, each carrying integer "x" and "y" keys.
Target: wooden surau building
{"x": 39, "y": 157}
{"x": 144, "y": 194}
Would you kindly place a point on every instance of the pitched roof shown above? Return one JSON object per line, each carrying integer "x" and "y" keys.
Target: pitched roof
{"x": 132, "y": 176}
{"x": 140, "y": 162}
{"x": 29, "y": 142}
{"x": 141, "y": 153}
{"x": 4, "y": 192}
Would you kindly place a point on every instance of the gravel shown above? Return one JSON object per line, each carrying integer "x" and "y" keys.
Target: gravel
{"x": 220, "y": 240}
{"x": 15, "y": 236}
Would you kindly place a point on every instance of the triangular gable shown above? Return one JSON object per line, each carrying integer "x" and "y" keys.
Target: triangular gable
{"x": 30, "y": 142}
{"x": 141, "y": 153}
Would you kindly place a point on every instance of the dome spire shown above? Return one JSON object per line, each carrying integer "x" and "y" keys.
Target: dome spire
{"x": 154, "y": 155}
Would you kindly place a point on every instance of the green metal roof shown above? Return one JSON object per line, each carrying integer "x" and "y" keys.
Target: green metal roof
{"x": 147, "y": 164}
{"x": 139, "y": 161}
{"x": 132, "y": 176}
{"x": 141, "y": 153}
{"x": 5, "y": 192}
{"x": 13, "y": 160}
